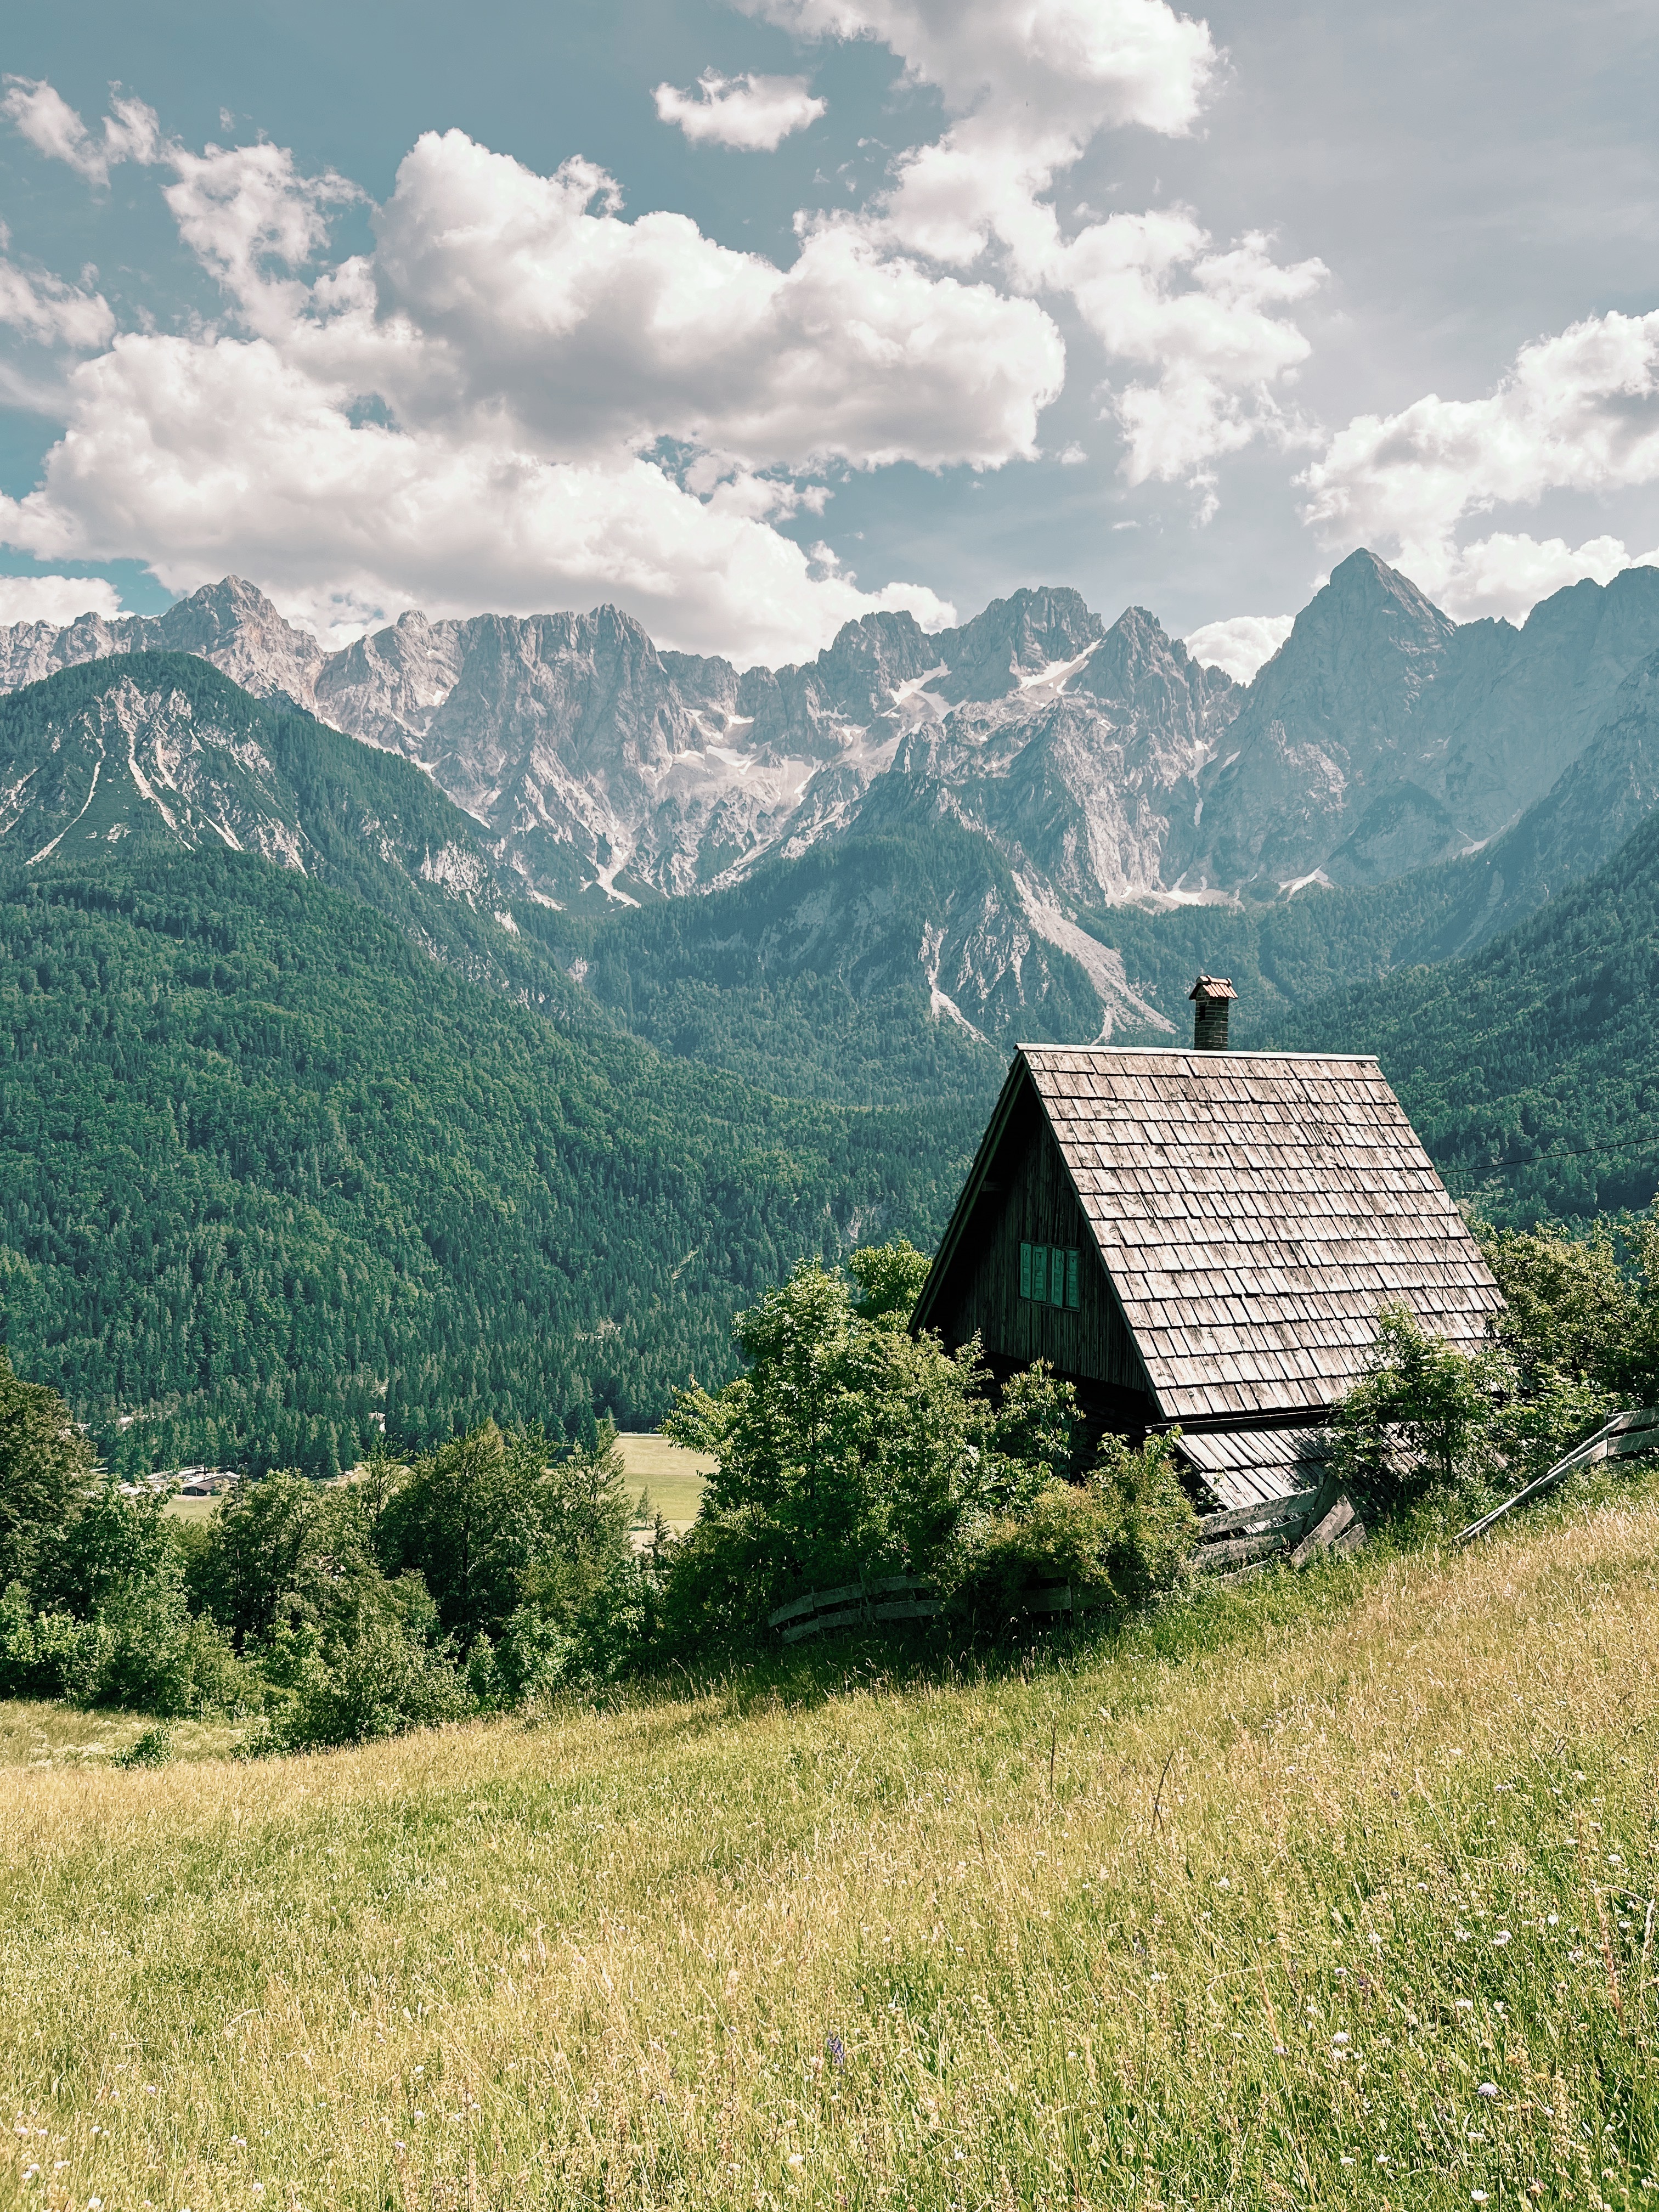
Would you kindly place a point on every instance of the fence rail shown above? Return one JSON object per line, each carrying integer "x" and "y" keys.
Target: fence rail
{"x": 1246, "y": 1538}
{"x": 1622, "y": 1437}
{"x": 888, "y": 1597}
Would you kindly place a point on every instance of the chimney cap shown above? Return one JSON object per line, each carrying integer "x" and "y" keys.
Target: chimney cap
{"x": 1212, "y": 987}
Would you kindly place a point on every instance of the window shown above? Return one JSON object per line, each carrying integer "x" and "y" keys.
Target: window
{"x": 1051, "y": 1275}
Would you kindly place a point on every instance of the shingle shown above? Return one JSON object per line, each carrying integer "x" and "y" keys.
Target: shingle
{"x": 1255, "y": 1213}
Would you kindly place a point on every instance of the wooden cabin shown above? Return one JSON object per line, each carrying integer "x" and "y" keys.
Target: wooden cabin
{"x": 1203, "y": 1238}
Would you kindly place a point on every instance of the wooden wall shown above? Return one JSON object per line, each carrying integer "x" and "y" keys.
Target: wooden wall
{"x": 1030, "y": 1201}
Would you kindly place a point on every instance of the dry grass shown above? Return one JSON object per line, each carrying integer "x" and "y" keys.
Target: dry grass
{"x": 47, "y": 1735}
{"x": 1333, "y": 1892}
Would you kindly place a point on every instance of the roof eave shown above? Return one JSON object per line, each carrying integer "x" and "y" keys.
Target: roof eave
{"x": 956, "y": 1228}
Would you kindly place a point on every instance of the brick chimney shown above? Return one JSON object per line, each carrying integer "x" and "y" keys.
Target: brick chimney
{"x": 1211, "y": 996}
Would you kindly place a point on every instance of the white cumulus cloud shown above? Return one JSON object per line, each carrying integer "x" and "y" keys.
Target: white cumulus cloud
{"x": 754, "y": 113}
{"x": 56, "y": 601}
{"x": 1204, "y": 330}
{"x": 1577, "y": 411}
{"x": 501, "y": 290}
{"x": 1240, "y": 644}
{"x": 519, "y": 398}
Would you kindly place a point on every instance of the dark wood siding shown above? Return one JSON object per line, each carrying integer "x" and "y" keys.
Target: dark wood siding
{"x": 1029, "y": 1199}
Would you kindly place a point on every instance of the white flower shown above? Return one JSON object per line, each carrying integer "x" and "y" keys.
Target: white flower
{"x": 1501, "y": 1936}
{"x": 1574, "y": 1957}
{"x": 1554, "y": 1920}
{"x": 1464, "y": 2004}
{"x": 1477, "y": 2195}
{"x": 1342, "y": 2038}
{"x": 795, "y": 2158}
{"x": 1347, "y": 2161}
{"x": 1487, "y": 2089}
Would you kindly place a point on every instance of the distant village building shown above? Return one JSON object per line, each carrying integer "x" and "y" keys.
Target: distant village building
{"x": 1203, "y": 1238}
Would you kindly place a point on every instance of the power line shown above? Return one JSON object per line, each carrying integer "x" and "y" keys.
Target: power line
{"x": 1564, "y": 1153}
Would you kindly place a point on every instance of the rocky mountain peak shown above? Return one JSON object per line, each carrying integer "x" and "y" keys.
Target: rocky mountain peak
{"x": 233, "y": 624}
{"x": 1033, "y": 631}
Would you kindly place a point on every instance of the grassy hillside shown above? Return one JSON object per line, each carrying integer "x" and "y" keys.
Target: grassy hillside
{"x": 266, "y": 1167}
{"x": 1531, "y": 1068}
{"x": 1332, "y": 1891}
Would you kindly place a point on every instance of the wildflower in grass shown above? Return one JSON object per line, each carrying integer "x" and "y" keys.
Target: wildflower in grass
{"x": 1477, "y": 2195}
{"x": 1500, "y": 1936}
{"x": 1342, "y": 2038}
{"x": 1464, "y": 2004}
{"x": 1487, "y": 2089}
{"x": 796, "y": 2158}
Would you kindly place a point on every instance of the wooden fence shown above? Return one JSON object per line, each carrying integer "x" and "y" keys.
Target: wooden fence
{"x": 1239, "y": 1541}
{"x": 1621, "y": 1437}
{"x": 1246, "y": 1538}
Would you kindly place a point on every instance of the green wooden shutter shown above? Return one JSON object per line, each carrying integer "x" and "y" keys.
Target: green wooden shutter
{"x": 1072, "y": 1273}
{"x": 1025, "y": 1271}
{"x": 1057, "y": 1277}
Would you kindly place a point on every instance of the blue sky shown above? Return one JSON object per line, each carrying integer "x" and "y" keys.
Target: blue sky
{"x": 383, "y": 307}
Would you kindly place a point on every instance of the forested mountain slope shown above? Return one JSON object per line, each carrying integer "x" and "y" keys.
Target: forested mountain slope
{"x": 159, "y": 752}
{"x": 1532, "y": 1067}
{"x": 879, "y": 967}
{"x": 267, "y": 1168}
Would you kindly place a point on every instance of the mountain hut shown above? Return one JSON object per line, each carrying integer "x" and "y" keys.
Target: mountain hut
{"x": 1203, "y": 1239}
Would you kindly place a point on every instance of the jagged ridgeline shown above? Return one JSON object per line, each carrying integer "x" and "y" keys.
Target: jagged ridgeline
{"x": 289, "y": 1141}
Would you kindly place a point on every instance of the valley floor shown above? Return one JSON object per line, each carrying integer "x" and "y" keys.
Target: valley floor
{"x": 1333, "y": 1890}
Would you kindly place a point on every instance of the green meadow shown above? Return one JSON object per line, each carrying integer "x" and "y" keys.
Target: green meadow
{"x": 1318, "y": 1891}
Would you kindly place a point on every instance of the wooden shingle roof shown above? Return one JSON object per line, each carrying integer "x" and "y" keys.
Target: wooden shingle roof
{"x": 1254, "y": 1210}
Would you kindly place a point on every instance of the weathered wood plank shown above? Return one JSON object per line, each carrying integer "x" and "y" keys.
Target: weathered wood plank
{"x": 1622, "y": 1437}
{"x": 1297, "y": 1507}
{"x": 816, "y": 1601}
{"x": 1325, "y": 1533}
{"x": 1210, "y": 1558}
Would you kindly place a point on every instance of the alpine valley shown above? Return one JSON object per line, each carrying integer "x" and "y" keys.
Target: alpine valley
{"x": 475, "y": 1016}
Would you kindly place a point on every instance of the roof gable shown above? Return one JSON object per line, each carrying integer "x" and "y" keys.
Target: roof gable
{"x": 1254, "y": 1210}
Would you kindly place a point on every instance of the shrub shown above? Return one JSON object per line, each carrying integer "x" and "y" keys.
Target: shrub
{"x": 1120, "y": 1538}
{"x": 1423, "y": 1413}
{"x": 46, "y": 1467}
{"x": 385, "y": 1681}
{"x": 153, "y": 1748}
{"x": 846, "y": 1446}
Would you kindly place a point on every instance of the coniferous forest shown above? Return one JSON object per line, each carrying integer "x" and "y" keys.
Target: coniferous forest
{"x": 267, "y": 1169}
